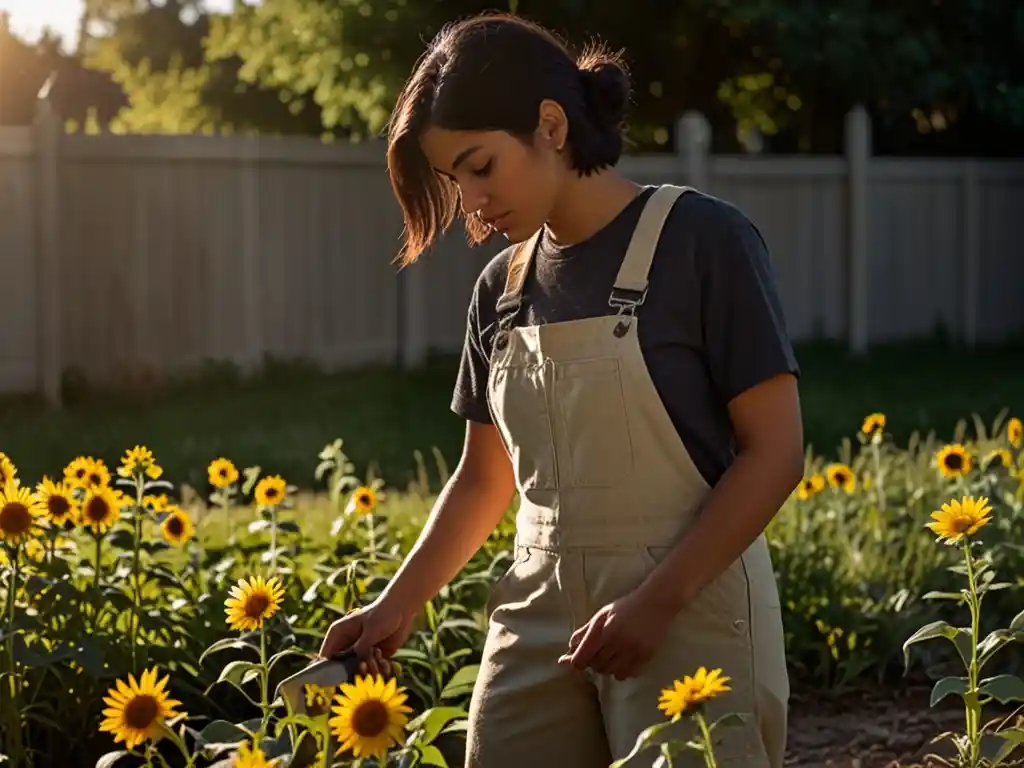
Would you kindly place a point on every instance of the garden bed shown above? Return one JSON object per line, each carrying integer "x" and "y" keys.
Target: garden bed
{"x": 873, "y": 728}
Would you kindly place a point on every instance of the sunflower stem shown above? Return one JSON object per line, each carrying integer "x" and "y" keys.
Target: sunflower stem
{"x": 879, "y": 488}
{"x": 51, "y": 543}
{"x": 180, "y": 744}
{"x": 15, "y": 746}
{"x": 327, "y": 741}
{"x": 709, "y": 753}
{"x": 264, "y": 681}
{"x": 273, "y": 539}
{"x": 972, "y": 702}
{"x": 136, "y": 587}
{"x": 96, "y": 579}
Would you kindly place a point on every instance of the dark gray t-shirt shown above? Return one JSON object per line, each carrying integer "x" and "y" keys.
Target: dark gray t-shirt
{"x": 711, "y": 327}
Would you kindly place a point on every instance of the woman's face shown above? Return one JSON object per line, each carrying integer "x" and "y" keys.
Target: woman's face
{"x": 508, "y": 185}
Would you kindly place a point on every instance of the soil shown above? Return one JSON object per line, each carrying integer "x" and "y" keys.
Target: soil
{"x": 880, "y": 729}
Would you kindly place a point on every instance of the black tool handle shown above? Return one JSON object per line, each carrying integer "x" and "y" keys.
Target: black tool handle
{"x": 350, "y": 660}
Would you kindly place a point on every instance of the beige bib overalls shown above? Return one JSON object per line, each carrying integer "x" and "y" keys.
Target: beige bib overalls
{"x": 606, "y": 487}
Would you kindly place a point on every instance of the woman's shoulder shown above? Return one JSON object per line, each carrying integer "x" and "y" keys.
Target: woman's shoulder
{"x": 490, "y": 283}
{"x": 714, "y": 232}
{"x": 698, "y": 213}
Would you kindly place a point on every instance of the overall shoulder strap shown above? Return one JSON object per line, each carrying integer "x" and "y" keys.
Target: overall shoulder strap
{"x": 630, "y": 287}
{"x": 518, "y": 267}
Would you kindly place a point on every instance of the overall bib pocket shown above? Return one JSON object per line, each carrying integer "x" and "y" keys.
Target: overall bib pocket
{"x": 592, "y": 410}
{"x": 517, "y": 396}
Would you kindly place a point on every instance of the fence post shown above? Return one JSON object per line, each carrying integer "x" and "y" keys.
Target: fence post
{"x": 251, "y": 274}
{"x": 46, "y": 136}
{"x": 415, "y": 315}
{"x": 858, "y": 157}
{"x": 972, "y": 253}
{"x": 693, "y": 145}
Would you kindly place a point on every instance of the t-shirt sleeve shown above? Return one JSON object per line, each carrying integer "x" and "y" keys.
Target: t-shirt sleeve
{"x": 745, "y": 335}
{"x": 469, "y": 399}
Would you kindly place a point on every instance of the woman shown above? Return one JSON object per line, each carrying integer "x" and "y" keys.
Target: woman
{"x": 627, "y": 371}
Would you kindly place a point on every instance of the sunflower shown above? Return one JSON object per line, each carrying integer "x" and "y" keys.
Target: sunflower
{"x": 841, "y": 476}
{"x": 59, "y": 500}
{"x": 77, "y": 471}
{"x": 221, "y": 473}
{"x": 1015, "y": 432}
{"x": 20, "y": 514}
{"x": 138, "y": 462}
{"x": 158, "y": 503}
{"x": 369, "y": 716}
{"x": 953, "y": 460}
{"x": 1000, "y": 457}
{"x": 136, "y": 710}
{"x": 873, "y": 423}
{"x": 318, "y": 698}
{"x": 177, "y": 527}
{"x": 87, "y": 472}
{"x": 363, "y": 501}
{"x": 692, "y": 691}
{"x": 270, "y": 491}
{"x": 252, "y": 602}
{"x": 34, "y": 550}
{"x": 7, "y": 470}
{"x": 958, "y": 520}
{"x": 100, "y": 509}
{"x": 252, "y": 757}
{"x": 811, "y": 486}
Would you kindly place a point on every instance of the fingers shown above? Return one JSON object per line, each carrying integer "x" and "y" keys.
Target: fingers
{"x": 341, "y": 636}
{"x": 588, "y": 644}
{"x": 375, "y": 664}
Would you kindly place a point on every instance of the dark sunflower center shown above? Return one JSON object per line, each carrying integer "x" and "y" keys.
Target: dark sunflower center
{"x": 370, "y": 719}
{"x": 271, "y": 493}
{"x": 175, "y": 527}
{"x": 960, "y": 524}
{"x": 15, "y": 518}
{"x": 364, "y": 499}
{"x": 223, "y": 472}
{"x": 954, "y": 461}
{"x": 79, "y": 474}
{"x": 842, "y": 478}
{"x": 95, "y": 479}
{"x": 58, "y": 506}
{"x": 97, "y": 510}
{"x": 140, "y": 712}
{"x": 256, "y": 605}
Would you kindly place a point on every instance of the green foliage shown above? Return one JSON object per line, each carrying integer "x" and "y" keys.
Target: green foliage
{"x": 858, "y": 572}
{"x": 156, "y": 54}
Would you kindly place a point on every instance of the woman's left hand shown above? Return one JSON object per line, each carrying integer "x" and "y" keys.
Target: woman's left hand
{"x": 621, "y": 637}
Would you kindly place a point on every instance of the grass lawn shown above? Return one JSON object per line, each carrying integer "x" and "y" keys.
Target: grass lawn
{"x": 281, "y": 418}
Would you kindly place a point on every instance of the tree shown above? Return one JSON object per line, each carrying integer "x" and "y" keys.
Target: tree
{"x": 156, "y": 54}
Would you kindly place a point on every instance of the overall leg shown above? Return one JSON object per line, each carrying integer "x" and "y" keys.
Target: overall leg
{"x": 771, "y": 672}
{"x": 715, "y": 631}
{"x": 526, "y": 709}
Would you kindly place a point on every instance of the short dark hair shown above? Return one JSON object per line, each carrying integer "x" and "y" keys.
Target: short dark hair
{"x": 491, "y": 72}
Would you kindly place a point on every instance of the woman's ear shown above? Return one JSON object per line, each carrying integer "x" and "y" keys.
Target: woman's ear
{"x": 552, "y": 125}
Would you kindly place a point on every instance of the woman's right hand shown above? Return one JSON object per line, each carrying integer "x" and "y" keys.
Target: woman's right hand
{"x": 374, "y": 632}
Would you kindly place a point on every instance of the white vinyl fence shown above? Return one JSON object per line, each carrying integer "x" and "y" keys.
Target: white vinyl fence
{"x": 127, "y": 257}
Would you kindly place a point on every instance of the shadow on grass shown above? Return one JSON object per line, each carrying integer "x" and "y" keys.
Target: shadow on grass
{"x": 280, "y": 417}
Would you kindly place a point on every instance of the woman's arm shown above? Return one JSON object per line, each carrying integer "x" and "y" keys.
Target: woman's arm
{"x": 768, "y": 466}
{"x": 468, "y": 509}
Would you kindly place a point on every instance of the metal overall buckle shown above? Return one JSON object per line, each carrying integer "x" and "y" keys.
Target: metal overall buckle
{"x": 626, "y": 307}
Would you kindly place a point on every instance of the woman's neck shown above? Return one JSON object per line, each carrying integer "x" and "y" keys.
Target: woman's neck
{"x": 587, "y": 204}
